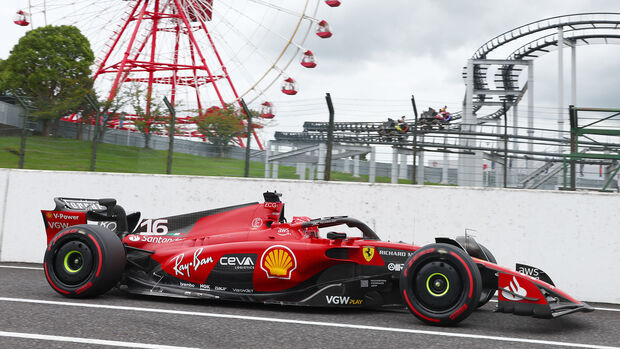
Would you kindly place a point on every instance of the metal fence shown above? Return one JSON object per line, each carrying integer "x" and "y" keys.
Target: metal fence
{"x": 391, "y": 164}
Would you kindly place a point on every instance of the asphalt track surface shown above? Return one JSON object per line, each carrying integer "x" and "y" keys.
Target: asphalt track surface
{"x": 32, "y": 315}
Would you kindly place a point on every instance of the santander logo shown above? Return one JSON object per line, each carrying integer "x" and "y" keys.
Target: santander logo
{"x": 515, "y": 291}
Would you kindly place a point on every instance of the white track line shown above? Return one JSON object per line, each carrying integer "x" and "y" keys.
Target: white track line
{"x": 311, "y": 323}
{"x": 86, "y": 340}
{"x": 20, "y": 267}
{"x": 607, "y": 309}
{"x": 39, "y": 268}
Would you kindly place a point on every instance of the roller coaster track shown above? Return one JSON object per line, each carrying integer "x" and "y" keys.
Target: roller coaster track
{"x": 579, "y": 29}
{"x": 368, "y": 137}
{"x": 359, "y": 126}
{"x": 317, "y": 126}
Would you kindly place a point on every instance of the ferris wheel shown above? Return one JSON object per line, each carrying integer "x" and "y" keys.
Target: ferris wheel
{"x": 198, "y": 53}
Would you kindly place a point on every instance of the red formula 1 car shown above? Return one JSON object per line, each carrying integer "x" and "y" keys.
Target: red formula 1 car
{"x": 251, "y": 253}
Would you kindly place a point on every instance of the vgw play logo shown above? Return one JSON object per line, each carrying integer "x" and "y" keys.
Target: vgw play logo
{"x": 343, "y": 300}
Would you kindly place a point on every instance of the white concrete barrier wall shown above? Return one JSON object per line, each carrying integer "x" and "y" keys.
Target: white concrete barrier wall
{"x": 574, "y": 237}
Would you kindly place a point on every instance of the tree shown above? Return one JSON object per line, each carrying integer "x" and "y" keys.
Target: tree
{"x": 220, "y": 126}
{"x": 51, "y": 65}
{"x": 149, "y": 113}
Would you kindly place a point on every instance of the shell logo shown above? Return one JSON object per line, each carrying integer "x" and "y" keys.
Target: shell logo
{"x": 278, "y": 262}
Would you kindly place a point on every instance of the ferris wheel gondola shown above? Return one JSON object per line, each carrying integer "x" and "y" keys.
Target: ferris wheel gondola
{"x": 308, "y": 60}
{"x": 22, "y": 18}
{"x": 289, "y": 86}
{"x": 323, "y": 30}
{"x": 267, "y": 110}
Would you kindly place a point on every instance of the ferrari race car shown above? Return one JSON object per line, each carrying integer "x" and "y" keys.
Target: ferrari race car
{"x": 251, "y": 253}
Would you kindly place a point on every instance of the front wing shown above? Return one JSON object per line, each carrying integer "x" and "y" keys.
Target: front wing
{"x": 522, "y": 294}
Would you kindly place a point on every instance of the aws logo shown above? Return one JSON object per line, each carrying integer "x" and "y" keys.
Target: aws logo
{"x": 278, "y": 262}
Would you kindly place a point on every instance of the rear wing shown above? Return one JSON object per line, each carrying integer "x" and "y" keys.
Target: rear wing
{"x": 78, "y": 205}
{"x": 68, "y": 212}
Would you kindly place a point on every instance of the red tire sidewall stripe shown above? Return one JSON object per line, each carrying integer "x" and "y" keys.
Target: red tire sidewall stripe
{"x": 84, "y": 288}
{"x": 100, "y": 257}
{"x": 419, "y": 255}
{"x": 415, "y": 311}
{"x": 52, "y": 282}
{"x": 458, "y": 312}
{"x": 49, "y": 248}
{"x": 471, "y": 279}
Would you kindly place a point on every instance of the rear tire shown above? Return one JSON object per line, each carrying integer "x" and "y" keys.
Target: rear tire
{"x": 84, "y": 261}
{"x": 440, "y": 284}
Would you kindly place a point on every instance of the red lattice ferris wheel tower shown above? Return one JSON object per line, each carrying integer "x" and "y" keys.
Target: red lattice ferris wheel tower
{"x": 141, "y": 61}
{"x": 198, "y": 53}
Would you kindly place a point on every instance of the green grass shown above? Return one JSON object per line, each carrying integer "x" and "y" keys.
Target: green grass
{"x": 46, "y": 153}
{"x": 62, "y": 154}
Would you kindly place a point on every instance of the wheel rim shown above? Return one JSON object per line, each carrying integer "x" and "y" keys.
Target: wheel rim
{"x": 437, "y": 286}
{"x": 74, "y": 261}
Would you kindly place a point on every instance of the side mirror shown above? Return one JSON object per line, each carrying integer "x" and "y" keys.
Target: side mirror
{"x": 336, "y": 236}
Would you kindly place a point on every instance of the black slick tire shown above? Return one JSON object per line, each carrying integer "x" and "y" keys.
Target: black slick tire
{"x": 440, "y": 284}
{"x": 84, "y": 261}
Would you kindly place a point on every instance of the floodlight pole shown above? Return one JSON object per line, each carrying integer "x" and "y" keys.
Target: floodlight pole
{"x": 505, "y": 146}
{"x": 330, "y": 138}
{"x": 415, "y": 142}
{"x": 173, "y": 118}
{"x": 572, "y": 114}
{"x": 93, "y": 153}
{"x": 249, "y": 138}
{"x": 22, "y": 146}
{"x": 30, "y": 11}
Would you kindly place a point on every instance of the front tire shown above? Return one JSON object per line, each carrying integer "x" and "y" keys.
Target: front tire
{"x": 440, "y": 284}
{"x": 84, "y": 261}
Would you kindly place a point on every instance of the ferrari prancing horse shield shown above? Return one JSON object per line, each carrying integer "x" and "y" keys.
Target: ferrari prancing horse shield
{"x": 369, "y": 252}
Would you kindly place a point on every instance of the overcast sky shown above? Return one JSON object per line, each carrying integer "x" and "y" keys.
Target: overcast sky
{"x": 382, "y": 52}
